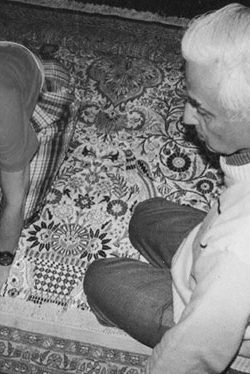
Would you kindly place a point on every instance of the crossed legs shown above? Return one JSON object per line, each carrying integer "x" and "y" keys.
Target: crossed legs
{"x": 137, "y": 296}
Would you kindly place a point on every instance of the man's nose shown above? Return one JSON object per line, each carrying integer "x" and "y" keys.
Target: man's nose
{"x": 189, "y": 115}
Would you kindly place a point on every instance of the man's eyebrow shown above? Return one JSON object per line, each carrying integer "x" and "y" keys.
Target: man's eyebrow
{"x": 195, "y": 104}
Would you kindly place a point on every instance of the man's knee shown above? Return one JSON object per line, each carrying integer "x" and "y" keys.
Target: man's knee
{"x": 146, "y": 214}
{"x": 93, "y": 276}
{"x": 98, "y": 277}
{"x": 144, "y": 210}
{"x": 96, "y": 288}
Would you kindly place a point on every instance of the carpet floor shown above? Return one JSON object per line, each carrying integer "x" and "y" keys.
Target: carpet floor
{"x": 129, "y": 145}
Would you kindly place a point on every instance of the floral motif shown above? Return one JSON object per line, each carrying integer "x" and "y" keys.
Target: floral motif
{"x": 54, "y": 196}
{"x": 63, "y": 211}
{"x": 40, "y": 236}
{"x": 69, "y": 240}
{"x": 75, "y": 183}
{"x": 92, "y": 177}
{"x": 179, "y": 162}
{"x": 103, "y": 187}
{"x": 205, "y": 186}
{"x": 110, "y": 122}
{"x": 13, "y": 292}
{"x": 16, "y": 281}
{"x": 2, "y": 348}
{"x": 117, "y": 208}
{"x": 96, "y": 217}
{"x": 54, "y": 360}
{"x": 97, "y": 245}
{"x": 84, "y": 201}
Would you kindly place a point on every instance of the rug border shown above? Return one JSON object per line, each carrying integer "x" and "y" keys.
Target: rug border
{"x": 86, "y": 328}
{"x": 107, "y": 10}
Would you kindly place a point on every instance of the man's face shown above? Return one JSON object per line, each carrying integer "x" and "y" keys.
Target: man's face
{"x": 220, "y": 133}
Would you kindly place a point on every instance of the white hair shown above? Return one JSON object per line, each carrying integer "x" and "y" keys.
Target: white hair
{"x": 222, "y": 38}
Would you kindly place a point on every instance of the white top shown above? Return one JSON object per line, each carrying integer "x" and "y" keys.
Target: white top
{"x": 211, "y": 289}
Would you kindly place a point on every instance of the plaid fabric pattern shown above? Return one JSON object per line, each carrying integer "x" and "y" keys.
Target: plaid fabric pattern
{"x": 54, "y": 123}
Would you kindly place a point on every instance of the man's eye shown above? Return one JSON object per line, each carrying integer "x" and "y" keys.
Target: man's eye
{"x": 191, "y": 102}
{"x": 203, "y": 113}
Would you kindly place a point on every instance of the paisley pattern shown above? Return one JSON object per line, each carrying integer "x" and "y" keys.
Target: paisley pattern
{"x": 129, "y": 145}
{"x": 121, "y": 78}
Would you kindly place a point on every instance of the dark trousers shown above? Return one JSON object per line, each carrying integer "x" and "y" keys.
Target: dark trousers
{"x": 137, "y": 296}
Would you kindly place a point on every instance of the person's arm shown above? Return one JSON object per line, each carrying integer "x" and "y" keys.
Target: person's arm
{"x": 210, "y": 331}
{"x": 14, "y": 187}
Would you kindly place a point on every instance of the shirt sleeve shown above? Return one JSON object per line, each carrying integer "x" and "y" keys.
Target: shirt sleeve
{"x": 212, "y": 326}
{"x": 18, "y": 141}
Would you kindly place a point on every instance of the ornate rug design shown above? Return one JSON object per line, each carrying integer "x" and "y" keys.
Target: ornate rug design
{"x": 129, "y": 145}
{"x": 26, "y": 352}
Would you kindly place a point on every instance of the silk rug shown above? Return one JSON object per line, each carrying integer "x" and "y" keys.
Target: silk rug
{"x": 129, "y": 145}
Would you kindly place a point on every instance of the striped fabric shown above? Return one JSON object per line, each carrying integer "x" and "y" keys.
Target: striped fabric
{"x": 54, "y": 121}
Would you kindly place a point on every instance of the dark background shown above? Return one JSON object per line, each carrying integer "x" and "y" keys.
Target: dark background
{"x": 179, "y": 8}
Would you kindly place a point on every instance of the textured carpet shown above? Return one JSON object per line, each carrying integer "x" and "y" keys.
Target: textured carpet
{"x": 129, "y": 145}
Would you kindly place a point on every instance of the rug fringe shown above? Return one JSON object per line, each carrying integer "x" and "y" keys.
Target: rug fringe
{"x": 41, "y": 297}
{"x": 53, "y": 320}
{"x": 109, "y": 10}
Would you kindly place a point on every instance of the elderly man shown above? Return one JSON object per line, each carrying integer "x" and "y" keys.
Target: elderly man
{"x": 191, "y": 302}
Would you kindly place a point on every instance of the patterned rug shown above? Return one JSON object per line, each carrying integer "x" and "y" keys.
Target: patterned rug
{"x": 129, "y": 145}
{"x": 27, "y": 352}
